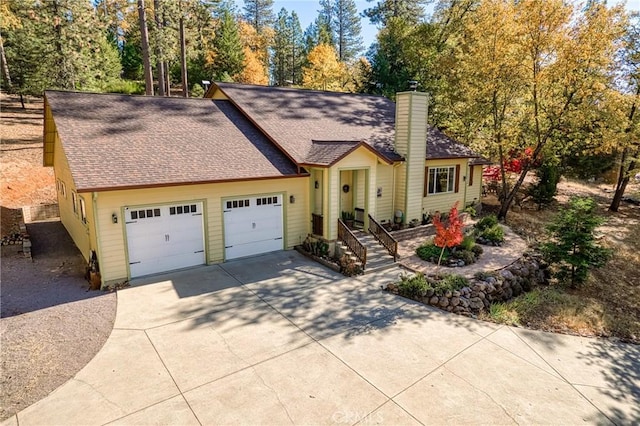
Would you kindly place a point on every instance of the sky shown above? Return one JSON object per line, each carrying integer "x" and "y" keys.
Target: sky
{"x": 307, "y": 11}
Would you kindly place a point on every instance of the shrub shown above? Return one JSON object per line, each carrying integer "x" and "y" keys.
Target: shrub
{"x": 450, "y": 235}
{"x": 572, "y": 246}
{"x": 468, "y": 242}
{"x": 412, "y": 286}
{"x": 128, "y": 87}
{"x": 451, "y": 283}
{"x": 477, "y": 250}
{"x": 546, "y": 187}
{"x": 471, "y": 211}
{"x": 466, "y": 255}
{"x": 431, "y": 252}
{"x": 494, "y": 234}
{"x": 486, "y": 222}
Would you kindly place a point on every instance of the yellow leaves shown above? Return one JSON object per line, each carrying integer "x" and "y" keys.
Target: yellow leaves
{"x": 254, "y": 70}
{"x": 8, "y": 20}
{"x": 324, "y": 72}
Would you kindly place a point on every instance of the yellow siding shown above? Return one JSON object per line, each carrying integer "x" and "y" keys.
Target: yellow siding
{"x": 444, "y": 202}
{"x": 49, "y": 136}
{"x": 411, "y": 125}
{"x": 384, "y": 204}
{"x": 361, "y": 158}
{"x": 474, "y": 192}
{"x": 113, "y": 259}
{"x": 80, "y": 232}
{"x": 217, "y": 94}
{"x": 400, "y": 192}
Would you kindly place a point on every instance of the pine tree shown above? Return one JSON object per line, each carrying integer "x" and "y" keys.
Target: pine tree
{"x": 411, "y": 11}
{"x": 259, "y": 13}
{"x": 297, "y": 48}
{"x": 346, "y": 23}
{"x": 228, "y": 56}
{"x": 281, "y": 48}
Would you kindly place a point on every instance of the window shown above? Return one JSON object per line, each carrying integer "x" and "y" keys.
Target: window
{"x": 235, "y": 204}
{"x": 470, "y": 175}
{"x": 190, "y": 208}
{"x": 63, "y": 189}
{"x": 441, "y": 180}
{"x": 74, "y": 202}
{"x": 83, "y": 211}
{"x": 145, "y": 214}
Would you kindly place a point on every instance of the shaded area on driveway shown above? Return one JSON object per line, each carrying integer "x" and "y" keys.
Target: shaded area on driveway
{"x": 51, "y": 326}
{"x": 279, "y": 339}
{"x": 55, "y": 277}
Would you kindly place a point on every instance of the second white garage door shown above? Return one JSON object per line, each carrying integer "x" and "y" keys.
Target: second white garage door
{"x": 252, "y": 225}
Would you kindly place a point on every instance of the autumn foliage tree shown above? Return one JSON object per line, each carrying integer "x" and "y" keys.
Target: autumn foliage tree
{"x": 448, "y": 235}
{"x": 324, "y": 72}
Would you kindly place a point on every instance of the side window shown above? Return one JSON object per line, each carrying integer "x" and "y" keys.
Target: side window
{"x": 74, "y": 201}
{"x": 83, "y": 211}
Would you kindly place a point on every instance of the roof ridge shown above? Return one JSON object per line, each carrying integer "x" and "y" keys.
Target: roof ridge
{"x": 304, "y": 89}
{"x": 133, "y": 95}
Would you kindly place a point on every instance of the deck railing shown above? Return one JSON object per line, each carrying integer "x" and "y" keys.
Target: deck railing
{"x": 383, "y": 237}
{"x": 351, "y": 241}
{"x": 317, "y": 225}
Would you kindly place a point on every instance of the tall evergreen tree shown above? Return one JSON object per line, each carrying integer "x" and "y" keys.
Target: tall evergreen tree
{"x": 228, "y": 57}
{"x": 297, "y": 48}
{"x": 325, "y": 23}
{"x": 411, "y": 11}
{"x": 346, "y": 23}
{"x": 259, "y": 13}
{"x": 280, "y": 62}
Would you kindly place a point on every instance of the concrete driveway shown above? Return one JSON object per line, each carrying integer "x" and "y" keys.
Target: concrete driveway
{"x": 278, "y": 339}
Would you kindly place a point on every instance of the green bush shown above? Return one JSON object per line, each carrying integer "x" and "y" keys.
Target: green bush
{"x": 451, "y": 283}
{"x": 128, "y": 87}
{"x": 412, "y": 286}
{"x": 477, "y": 250}
{"x": 468, "y": 242}
{"x": 494, "y": 234}
{"x": 466, "y": 255}
{"x": 486, "y": 222}
{"x": 431, "y": 252}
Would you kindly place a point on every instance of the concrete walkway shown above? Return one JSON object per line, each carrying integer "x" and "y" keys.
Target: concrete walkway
{"x": 492, "y": 259}
{"x": 278, "y": 339}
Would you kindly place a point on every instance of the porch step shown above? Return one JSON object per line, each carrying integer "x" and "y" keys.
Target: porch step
{"x": 378, "y": 258}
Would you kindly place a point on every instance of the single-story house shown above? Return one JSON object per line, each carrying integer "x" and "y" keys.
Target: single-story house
{"x": 152, "y": 184}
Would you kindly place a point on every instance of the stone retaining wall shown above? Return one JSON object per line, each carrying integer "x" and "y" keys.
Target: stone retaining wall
{"x": 499, "y": 286}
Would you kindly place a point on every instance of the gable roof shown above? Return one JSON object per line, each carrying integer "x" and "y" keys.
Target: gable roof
{"x": 440, "y": 146}
{"x": 121, "y": 141}
{"x": 295, "y": 118}
{"x": 309, "y": 124}
{"x": 327, "y": 153}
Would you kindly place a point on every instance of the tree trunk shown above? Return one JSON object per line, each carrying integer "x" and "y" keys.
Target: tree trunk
{"x": 183, "y": 59}
{"x": 5, "y": 67}
{"x": 168, "y": 76}
{"x": 146, "y": 61}
{"x": 160, "y": 65}
{"x": 624, "y": 173}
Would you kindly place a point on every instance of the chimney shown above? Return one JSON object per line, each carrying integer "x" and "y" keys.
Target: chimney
{"x": 411, "y": 143}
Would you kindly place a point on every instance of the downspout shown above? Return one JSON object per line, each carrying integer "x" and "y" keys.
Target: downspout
{"x": 94, "y": 199}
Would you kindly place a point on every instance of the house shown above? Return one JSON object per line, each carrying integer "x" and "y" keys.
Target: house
{"x": 152, "y": 184}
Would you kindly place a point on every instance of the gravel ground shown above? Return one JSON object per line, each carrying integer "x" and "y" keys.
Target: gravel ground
{"x": 51, "y": 325}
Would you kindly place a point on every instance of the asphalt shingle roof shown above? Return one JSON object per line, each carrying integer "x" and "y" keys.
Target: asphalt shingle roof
{"x": 294, "y": 118}
{"x": 117, "y": 141}
{"x": 299, "y": 119}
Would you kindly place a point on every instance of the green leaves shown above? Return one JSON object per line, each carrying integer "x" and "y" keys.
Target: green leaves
{"x": 573, "y": 247}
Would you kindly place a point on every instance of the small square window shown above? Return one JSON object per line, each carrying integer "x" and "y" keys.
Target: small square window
{"x": 241, "y": 203}
{"x": 172, "y": 210}
{"x": 179, "y": 209}
{"x": 150, "y": 213}
{"x": 259, "y": 201}
{"x": 156, "y": 212}
{"x": 142, "y": 214}
{"x": 194, "y": 208}
{"x": 186, "y": 209}
{"x": 246, "y": 203}
{"x": 235, "y": 204}
{"x": 229, "y": 205}
{"x": 134, "y": 215}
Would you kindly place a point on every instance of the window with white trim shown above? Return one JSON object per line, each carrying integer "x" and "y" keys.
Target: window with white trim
{"x": 63, "y": 189}
{"x": 74, "y": 201}
{"x": 441, "y": 180}
{"x": 83, "y": 211}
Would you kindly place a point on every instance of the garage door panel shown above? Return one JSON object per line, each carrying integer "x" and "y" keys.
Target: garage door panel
{"x": 254, "y": 226}
{"x": 163, "y": 238}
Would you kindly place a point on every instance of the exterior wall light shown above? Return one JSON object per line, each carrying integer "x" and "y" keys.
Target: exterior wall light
{"x": 114, "y": 218}
{"x": 292, "y": 199}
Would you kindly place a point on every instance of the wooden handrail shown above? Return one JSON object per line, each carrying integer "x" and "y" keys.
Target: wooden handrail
{"x": 384, "y": 237}
{"x": 350, "y": 240}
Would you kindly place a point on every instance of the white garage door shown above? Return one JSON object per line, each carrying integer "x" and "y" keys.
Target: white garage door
{"x": 252, "y": 225}
{"x": 163, "y": 238}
